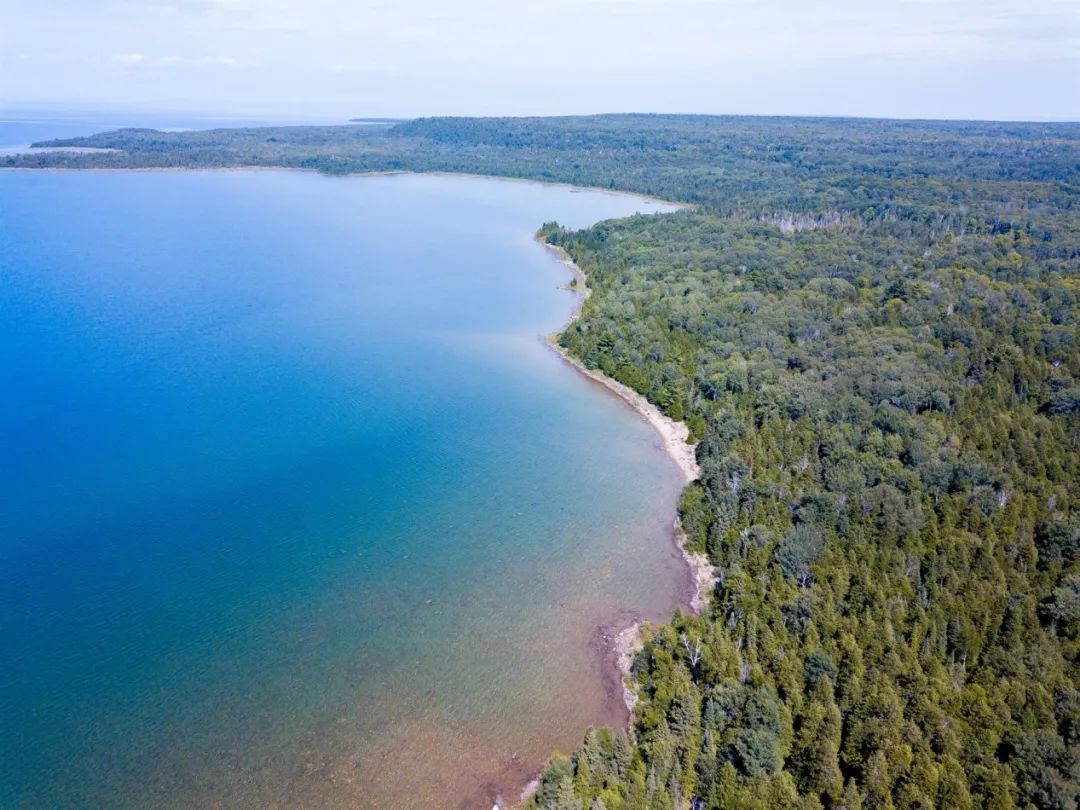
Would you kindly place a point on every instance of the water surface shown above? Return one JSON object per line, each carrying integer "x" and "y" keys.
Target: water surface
{"x": 297, "y": 509}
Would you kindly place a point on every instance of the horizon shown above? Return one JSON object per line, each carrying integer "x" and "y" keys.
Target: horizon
{"x": 76, "y": 112}
{"x": 905, "y": 60}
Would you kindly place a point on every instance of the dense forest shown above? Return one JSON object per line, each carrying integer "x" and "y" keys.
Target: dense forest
{"x": 870, "y": 328}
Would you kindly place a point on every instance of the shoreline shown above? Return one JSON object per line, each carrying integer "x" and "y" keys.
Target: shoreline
{"x": 673, "y": 435}
{"x": 678, "y": 206}
{"x": 614, "y": 192}
{"x": 623, "y": 645}
{"x": 674, "y": 438}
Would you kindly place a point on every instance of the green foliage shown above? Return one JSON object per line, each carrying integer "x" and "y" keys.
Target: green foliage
{"x": 818, "y": 666}
{"x": 799, "y": 548}
{"x": 890, "y": 460}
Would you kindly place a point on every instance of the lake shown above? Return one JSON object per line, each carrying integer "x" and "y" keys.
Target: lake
{"x": 297, "y": 507}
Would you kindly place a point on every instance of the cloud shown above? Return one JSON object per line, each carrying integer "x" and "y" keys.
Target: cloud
{"x": 201, "y": 61}
{"x": 129, "y": 59}
{"x": 1012, "y": 58}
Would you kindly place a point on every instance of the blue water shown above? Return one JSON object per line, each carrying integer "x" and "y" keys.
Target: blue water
{"x": 296, "y": 507}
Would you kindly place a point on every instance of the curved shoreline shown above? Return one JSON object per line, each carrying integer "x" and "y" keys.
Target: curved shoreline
{"x": 674, "y": 435}
{"x": 614, "y": 192}
{"x": 674, "y": 438}
{"x": 625, "y": 643}
{"x": 621, "y": 644}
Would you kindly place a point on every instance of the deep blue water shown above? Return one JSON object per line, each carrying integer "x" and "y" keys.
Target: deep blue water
{"x": 296, "y": 507}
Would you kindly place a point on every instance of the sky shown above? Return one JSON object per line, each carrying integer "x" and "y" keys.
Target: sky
{"x": 986, "y": 59}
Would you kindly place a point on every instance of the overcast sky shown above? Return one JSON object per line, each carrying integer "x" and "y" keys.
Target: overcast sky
{"x": 1008, "y": 59}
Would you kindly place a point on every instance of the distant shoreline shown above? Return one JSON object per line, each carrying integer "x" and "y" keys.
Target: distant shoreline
{"x": 384, "y": 173}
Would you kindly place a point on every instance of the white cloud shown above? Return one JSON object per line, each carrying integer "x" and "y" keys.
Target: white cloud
{"x": 201, "y": 61}
{"x": 129, "y": 58}
{"x": 1012, "y": 58}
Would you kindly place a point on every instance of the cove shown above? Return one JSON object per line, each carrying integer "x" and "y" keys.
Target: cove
{"x": 297, "y": 507}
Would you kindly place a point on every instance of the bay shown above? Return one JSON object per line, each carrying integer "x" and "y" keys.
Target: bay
{"x": 297, "y": 508}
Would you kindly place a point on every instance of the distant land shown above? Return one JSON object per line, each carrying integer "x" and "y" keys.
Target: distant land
{"x": 870, "y": 330}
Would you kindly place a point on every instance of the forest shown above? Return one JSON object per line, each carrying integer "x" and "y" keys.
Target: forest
{"x": 870, "y": 328}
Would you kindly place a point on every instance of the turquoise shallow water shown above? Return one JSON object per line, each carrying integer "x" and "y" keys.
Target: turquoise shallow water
{"x": 297, "y": 510}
